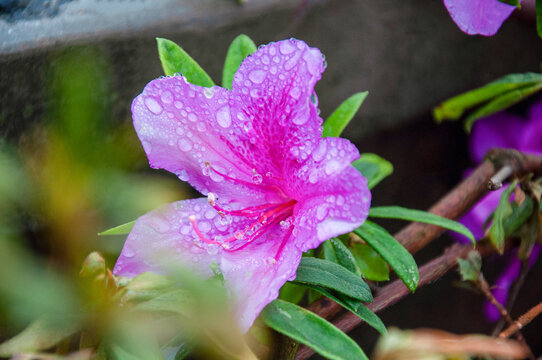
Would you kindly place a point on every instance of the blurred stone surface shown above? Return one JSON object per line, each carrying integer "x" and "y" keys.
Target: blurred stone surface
{"x": 408, "y": 54}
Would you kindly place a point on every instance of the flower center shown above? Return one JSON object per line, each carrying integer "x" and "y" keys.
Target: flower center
{"x": 264, "y": 216}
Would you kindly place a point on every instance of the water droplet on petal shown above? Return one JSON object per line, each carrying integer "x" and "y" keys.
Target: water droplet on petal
{"x": 332, "y": 167}
{"x": 256, "y": 178}
{"x": 153, "y": 105}
{"x": 285, "y": 224}
{"x": 209, "y": 92}
{"x": 167, "y": 97}
{"x": 183, "y": 175}
{"x": 128, "y": 252}
{"x": 185, "y": 144}
{"x": 223, "y": 117}
{"x": 295, "y": 92}
{"x": 257, "y": 76}
{"x": 286, "y": 47}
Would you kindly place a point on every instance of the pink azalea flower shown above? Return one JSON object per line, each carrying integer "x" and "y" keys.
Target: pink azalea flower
{"x": 274, "y": 187}
{"x": 506, "y": 131}
{"x": 483, "y": 17}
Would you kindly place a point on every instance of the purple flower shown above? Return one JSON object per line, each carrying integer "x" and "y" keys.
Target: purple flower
{"x": 483, "y": 17}
{"x": 274, "y": 187}
{"x": 507, "y": 131}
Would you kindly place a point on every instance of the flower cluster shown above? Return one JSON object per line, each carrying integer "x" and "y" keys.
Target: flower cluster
{"x": 507, "y": 131}
{"x": 273, "y": 186}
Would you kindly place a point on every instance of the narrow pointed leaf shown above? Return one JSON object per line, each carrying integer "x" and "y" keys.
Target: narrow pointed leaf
{"x": 539, "y": 17}
{"x": 330, "y": 275}
{"x": 241, "y": 47}
{"x": 355, "y": 306}
{"x": 337, "y": 121}
{"x": 123, "y": 229}
{"x": 400, "y": 260}
{"x": 500, "y": 103}
{"x": 497, "y": 233}
{"x": 311, "y": 330}
{"x": 370, "y": 263}
{"x": 337, "y": 252}
{"x": 373, "y": 167}
{"x": 453, "y": 108}
{"x": 397, "y": 212}
{"x": 175, "y": 60}
{"x": 511, "y": 2}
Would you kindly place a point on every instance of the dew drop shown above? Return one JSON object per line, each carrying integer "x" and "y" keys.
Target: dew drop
{"x": 332, "y": 167}
{"x": 286, "y": 48}
{"x": 257, "y": 76}
{"x": 192, "y": 117}
{"x": 223, "y": 117}
{"x": 185, "y": 144}
{"x": 295, "y": 92}
{"x": 183, "y": 175}
{"x": 178, "y": 104}
{"x": 166, "y": 97}
{"x": 153, "y": 105}
{"x": 208, "y": 92}
{"x": 128, "y": 252}
{"x": 256, "y": 178}
{"x": 285, "y": 224}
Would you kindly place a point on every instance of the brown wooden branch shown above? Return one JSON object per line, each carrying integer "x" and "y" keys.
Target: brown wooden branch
{"x": 417, "y": 235}
{"x": 522, "y": 321}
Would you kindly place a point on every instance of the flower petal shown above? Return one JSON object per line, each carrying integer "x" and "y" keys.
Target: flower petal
{"x": 333, "y": 197}
{"x": 256, "y": 273}
{"x": 166, "y": 232}
{"x": 532, "y": 132}
{"x": 275, "y": 105}
{"x": 183, "y": 127}
{"x": 483, "y": 17}
{"x": 499, "y": 130}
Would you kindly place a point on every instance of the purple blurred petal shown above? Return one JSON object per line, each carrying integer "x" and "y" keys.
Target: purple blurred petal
{"x": 499, "y": 130}
{"x": 483, "y": 17}
{"x": 531, "y": 136}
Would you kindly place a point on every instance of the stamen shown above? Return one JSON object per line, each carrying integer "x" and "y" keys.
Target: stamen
{"x": 192, "y": 219}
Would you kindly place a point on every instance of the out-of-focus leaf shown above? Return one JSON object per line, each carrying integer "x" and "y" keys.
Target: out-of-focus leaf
{"x": 175, "y": 60}
{"x": 520, "y": 214}
{"x": 337, "y": 252}
{"x": 292, "y": 293}
{"x": 337, "y": 121}
{"x": 40, "y": 335}
{"x": 400, "y": 260}
{"x": 123, "y": 229}
{"x": 511, "y": 2}
{"x": 539, "y": 17}
{"x": 374, "y": 168}
{"x": 241, "y": 47}
{"x": 470, "y": 267}
{"x": 453, "y": 108}
{"x": 330, "y": 275}
{"x": 397, "y": 212}
{"x": 372, "y": 266}
{"x": 355, "y": 306}
{"x": 311, "y": 330}
{"x": 497, "y": 233}
{"x": 501, "y": 102}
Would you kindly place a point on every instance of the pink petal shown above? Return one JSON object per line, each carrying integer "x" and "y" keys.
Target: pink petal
{"x": 499, "y": 130}
{"x": 333, "y": 197}
{"x": 183, "y": 130}
{"x": 166, "y": 232}
{"x": 274, "y": 107}
{"x": 482, "y": 17}
{"x": 256, "y": 273}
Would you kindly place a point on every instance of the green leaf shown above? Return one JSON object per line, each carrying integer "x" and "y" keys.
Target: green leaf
{"x": 330, "y": 275}
{"x": 311, "y": 330}
{"x": 337, "y": 121}
{"x": 123, "y": 229}
{"x": 453, "y": 109}
{"x": 539, "y": 17}
{"x": 40, "y": 335}
{"x": 374, "y": 168}
{"x": 497, "y": 233}
{"x": 241, "y": 47}
{"x": 397, "y": 212}
{"x": 470, "y": 267}
{"x": 512, "y": 2}
{"x": 500, "y": 103}
{"x": 400, "y": 260}
{"x": 355, "y": 306}
{"x": 292, "y": 293}
{"x": 337, "y": 252}
{"x": 175, "y": 60}
{"x": 372, "y": 266}
{"x": 520, "y": 214}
